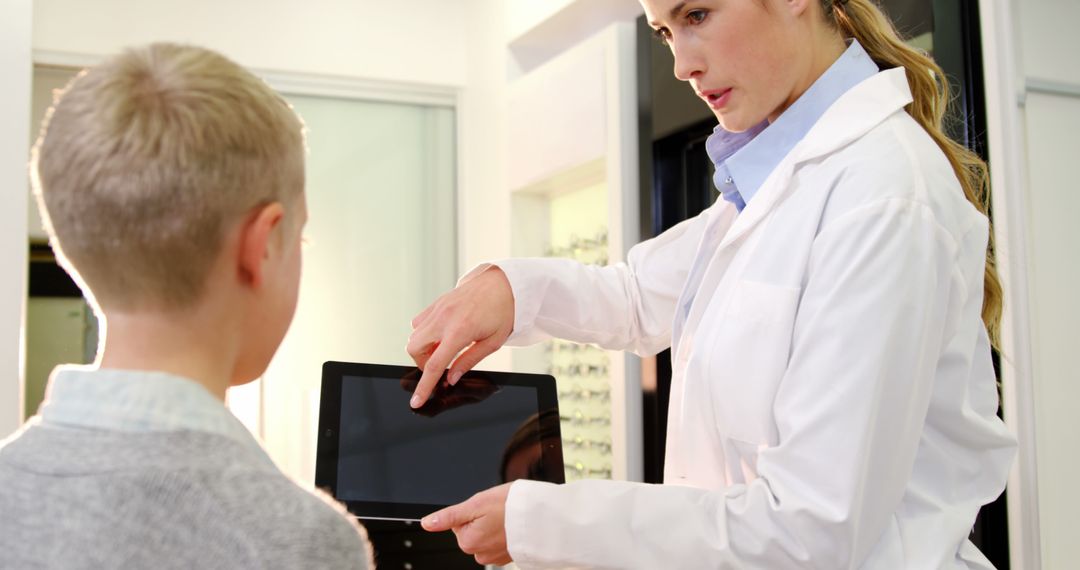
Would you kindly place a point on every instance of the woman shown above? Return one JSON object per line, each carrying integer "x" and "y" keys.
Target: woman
{"x": 832, "y": 400}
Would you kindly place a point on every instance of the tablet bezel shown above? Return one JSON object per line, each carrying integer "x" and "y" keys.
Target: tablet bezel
{"x": 326, "y": 461}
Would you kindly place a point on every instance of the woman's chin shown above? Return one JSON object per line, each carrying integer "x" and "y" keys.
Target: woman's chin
{"x": 735, "y": 122}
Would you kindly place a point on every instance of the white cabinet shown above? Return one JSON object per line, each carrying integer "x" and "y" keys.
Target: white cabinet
{"x": 573, "y": 174}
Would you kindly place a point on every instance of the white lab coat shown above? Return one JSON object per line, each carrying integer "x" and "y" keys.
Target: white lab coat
{"x": 832, "y": 397}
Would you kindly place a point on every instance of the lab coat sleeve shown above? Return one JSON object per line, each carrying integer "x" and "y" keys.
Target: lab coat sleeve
{"x": 625, "y": 306}
{"x": 850, "y": 410}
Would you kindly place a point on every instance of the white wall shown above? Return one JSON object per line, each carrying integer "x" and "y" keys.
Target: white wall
{"x": 523, "y": 15}
{"x": 1049, "y": 41}
{"x": 483, "y": 198}
{"x": 539, "y": 30}
{"x": 420, "y": 41}
{"x": 1054, "y": 209}
{"x": 15, "y": 25}
{"x": 1049, "y": 46}
{"x": 370, "y": 40}
{"x": 1033, "y": 96}
{"x": 567, "y": 95}
{"x": 484, "y": 202}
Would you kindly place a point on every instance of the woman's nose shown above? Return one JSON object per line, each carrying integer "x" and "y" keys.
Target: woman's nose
{"x": 688, "y": 63}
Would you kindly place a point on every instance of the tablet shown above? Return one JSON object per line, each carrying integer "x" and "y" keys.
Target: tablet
{"x": 385, "y": 460}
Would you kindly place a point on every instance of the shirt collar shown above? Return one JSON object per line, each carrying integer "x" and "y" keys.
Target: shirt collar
{"x": 137, "y": 401}
{"x": 744, "y": 160}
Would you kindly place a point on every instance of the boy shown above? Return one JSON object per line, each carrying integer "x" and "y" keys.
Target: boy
{"x": 173, "y": 186}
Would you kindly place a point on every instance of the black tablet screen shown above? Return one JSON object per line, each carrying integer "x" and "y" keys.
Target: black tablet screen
{"x": 461, "y": 442}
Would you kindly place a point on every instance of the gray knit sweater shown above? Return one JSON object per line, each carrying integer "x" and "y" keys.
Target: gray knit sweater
{"x": 78, "y": 498}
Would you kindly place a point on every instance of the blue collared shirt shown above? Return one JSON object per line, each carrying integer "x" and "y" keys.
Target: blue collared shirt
{"x": 137, "y": 401}
{"x": 744, "y": 160}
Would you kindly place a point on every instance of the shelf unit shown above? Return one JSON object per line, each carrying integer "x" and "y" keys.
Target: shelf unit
{"x": 573, "y": 175}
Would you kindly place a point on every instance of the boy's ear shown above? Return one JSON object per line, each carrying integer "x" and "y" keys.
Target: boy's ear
{"x": 257, "y": 242}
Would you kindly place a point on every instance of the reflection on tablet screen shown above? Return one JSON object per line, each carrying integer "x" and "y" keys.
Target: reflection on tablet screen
{"x": 384, "y": 444}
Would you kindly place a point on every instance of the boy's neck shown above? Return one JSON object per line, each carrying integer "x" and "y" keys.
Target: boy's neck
{"x": 178, "y": 343}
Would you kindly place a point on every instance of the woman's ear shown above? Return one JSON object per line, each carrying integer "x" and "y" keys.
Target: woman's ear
{"x": 257, "y": 242}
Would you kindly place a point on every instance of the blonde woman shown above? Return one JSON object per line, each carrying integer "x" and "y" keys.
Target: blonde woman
{"x": 830, "y": 319}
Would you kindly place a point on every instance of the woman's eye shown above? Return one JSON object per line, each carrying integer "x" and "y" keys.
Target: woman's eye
{"x": 662, "y": 35}
{"x": 696, "y": 16}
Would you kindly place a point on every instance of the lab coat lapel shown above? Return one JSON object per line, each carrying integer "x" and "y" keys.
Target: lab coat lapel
{"x": 854, "y": 114}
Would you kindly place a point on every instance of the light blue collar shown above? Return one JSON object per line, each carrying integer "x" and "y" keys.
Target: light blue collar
{"x": 137, "y": 401}
{"x": 744, "y": 160}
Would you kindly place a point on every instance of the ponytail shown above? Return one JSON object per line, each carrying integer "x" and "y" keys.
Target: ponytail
{"x": 864, "y": 21}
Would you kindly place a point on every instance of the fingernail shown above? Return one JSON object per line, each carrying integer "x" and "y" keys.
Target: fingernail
{"x": 415, "y": 401}
{"x": 427, "y": 522}
{"x": 454, "y": 377}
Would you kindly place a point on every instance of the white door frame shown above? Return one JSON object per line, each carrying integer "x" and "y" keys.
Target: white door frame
{"x": 16, "y": 19}
{"x": 1004, "y": 99}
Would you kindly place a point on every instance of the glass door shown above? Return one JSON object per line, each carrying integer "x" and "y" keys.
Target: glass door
{"x": 381, "y": 244}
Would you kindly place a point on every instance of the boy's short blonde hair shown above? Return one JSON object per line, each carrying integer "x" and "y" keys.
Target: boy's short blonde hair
{"x": 143, "y": 162}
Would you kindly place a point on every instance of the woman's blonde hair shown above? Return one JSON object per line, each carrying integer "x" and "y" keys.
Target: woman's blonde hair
{"x": 865, "y": 22}
{"x": 145, "y": 160}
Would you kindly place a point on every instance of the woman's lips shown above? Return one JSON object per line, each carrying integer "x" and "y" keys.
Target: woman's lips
{"x": 716, "y": 98}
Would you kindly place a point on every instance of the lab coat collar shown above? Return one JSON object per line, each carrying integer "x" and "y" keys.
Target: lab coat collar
{"x": 854, "y": 114}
